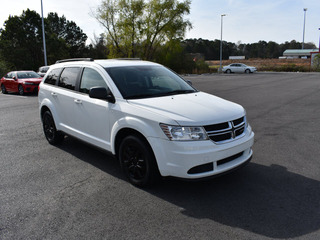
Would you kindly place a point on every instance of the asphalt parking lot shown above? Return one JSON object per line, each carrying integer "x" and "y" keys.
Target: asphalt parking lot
{"x": 75, "y": 191}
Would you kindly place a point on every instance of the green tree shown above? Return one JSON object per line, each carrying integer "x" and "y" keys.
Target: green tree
{"x": 273, "y": 50}
{"x": 316, "y": 63}
{"x": 173, "y": 55}
{"x": 138, "y": 28}
{"x": 21, "y": 40}
{"x": 4, "y": 67}
{"x": 98, "y": 49}
{"x": 62, "y": 29}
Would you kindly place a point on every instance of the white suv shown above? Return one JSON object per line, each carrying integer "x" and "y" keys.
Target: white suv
{"x": 151, "y": 119}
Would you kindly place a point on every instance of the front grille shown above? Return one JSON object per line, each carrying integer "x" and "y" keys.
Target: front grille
{"x": 226, "y": 131}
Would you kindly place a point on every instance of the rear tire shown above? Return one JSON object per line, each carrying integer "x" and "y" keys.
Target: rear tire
{"x": 137, "y": 161}
{"x": 3, "y": 89}
{"x": 53, "y": 136}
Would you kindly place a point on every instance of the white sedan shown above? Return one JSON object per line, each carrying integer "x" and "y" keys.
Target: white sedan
{"x": 238, "y": 68}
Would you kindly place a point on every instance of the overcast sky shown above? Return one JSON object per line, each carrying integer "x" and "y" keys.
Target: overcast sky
{"x": 247, "y": 21}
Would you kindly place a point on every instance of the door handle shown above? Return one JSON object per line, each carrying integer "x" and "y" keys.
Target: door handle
{"x": 77, "y": 101}
{"x": 54, "y": 94}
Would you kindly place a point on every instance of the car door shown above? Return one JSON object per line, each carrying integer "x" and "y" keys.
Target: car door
{"x": 15, "y": 82}
{"x": 92, "y": 115}
{"x": 234, "y": 68}
{"x": 237, "y": 68}
{"x": 9, "y": 81}
{"x": 242, "y": 68}
{"x": 4, "y": 80}
{"x": 63, "y": 97}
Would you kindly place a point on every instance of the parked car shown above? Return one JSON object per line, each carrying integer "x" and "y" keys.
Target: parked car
{"x": 43, "y": 70}
{"x": 151, "y": 119}
{"x": 21, "y": 82}
{"x": 238, "y": 68}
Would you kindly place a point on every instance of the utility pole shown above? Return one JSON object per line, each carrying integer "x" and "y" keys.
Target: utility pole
{"x": 304, "y": 26}
{"x": 43, "y": 38}
{"x": 220, "y": 69}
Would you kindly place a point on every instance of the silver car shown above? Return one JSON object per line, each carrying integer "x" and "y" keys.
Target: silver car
{"x": 43, "y": 70}
{"x": 238, "y": 68}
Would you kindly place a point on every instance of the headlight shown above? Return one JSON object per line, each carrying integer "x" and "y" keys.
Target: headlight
{"x": 179, "y": 133}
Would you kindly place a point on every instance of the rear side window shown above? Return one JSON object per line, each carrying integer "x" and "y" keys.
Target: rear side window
{"x": 53, "y": 76}
{"x": 91, "y": 78}
{"x": 68, "y": 78}
{"x": 9, "y": 75}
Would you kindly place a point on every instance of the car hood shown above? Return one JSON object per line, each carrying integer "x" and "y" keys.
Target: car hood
{"x": 34, "y": 80}
{"x": 191, "y": 109}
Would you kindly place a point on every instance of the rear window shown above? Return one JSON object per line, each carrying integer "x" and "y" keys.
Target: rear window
{"x": 53, "y": 76}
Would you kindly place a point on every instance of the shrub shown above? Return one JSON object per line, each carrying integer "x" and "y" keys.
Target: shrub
{"x": 316, "y": 63}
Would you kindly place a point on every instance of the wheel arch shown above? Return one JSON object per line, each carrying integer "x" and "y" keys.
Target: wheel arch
{"x": 43, "y": 110}
{"x": 123, "y": 133}
{"x": 131, "y": 125}
{"x": 23, "y": 87}
{"x": 2, "y": 85}
{"x": 47, "y": 106}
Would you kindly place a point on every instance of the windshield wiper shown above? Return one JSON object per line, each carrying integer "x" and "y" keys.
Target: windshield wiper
{"x": 180, "y": 92}
{"x": 140, "y": 96}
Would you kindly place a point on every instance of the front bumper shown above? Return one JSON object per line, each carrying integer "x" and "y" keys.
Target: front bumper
{"x": 201, "y": 159}
{"x": 31, "y": 88}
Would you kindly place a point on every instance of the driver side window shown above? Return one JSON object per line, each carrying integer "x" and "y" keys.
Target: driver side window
{"x": 91, "y": 78}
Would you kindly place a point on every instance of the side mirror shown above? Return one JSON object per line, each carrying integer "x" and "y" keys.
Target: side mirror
{"x": 14, "y": 78}
{"x": 102, "y": 93}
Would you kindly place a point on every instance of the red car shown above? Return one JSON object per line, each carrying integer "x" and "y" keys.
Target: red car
{"x": 21, "y": 82}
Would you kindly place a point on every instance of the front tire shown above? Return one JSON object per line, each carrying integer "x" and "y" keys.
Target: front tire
{"x": 137, "y": 161}
{"x": 228, "y": 71}
{"x": 247, "y": 71}
{"x": 53, "y": 136}
{"x": 21, "y": 90}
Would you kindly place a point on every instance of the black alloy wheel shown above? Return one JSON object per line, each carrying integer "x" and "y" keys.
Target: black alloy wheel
{"x": 52, "y": 135}
{"x": 3, "y": 89}
{"x": 21, "y": 91}
{"x": 137, "y": 161}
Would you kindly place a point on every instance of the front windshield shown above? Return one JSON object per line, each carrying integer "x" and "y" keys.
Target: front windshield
{"x": 27, "y": 75}
{"x": 136, "y": 82}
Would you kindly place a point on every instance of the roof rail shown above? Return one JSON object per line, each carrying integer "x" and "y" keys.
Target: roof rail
{"x": 133, "y": 59}
{"x": 75, "y": 60}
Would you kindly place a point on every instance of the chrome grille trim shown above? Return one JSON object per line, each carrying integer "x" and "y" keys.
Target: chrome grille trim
{"x": 235, "y": 130}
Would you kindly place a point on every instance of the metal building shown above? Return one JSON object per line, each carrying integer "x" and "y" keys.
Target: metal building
{"x": 299, "y": 53}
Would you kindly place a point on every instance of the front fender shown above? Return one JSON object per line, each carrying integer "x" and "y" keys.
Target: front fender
{"x": 143, "y": 127}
